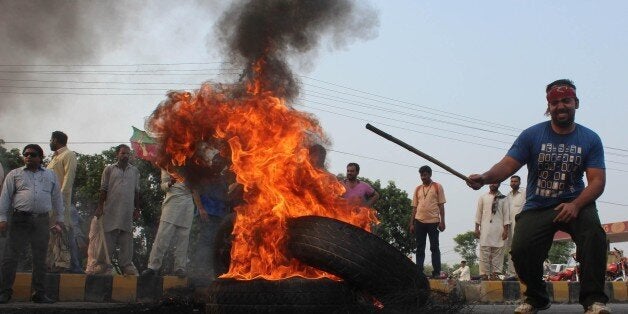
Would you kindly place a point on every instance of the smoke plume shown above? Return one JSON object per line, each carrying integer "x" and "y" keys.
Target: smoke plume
{"x": 272, "y": 31}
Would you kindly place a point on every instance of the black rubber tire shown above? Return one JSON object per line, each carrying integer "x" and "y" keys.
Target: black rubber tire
{"x": 359, "y": 257}
{"x": 222, "y": 245}
{"x": 292, "y": 295}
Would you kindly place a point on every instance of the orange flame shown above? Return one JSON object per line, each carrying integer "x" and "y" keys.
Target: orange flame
{"x": 268, "y": 146}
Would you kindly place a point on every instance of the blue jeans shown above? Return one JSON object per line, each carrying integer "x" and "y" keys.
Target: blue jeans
{"x": 422, "y": 231}
{"x": 203, "y": 259}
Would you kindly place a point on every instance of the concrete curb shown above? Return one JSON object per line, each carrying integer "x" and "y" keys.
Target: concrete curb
{"x": 511, "y": 291}
{"x": 98, "y": 288}
{"x": 130, "y": 289}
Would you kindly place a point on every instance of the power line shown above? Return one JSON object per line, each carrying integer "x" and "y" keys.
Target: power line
{"x": 102, "y": 82}
{"x": 78, "y": 94}
{"x": 111, "y": 65}
{"x": 307, "y": 77}
{"x": 335, "y": 98}
{"x": 324, "y": 104}
{"x": 406, "y": 129}
{"x": 110, "y": 71}
{"x": 417, "y": 116}
{"x": 408, "y": 103}
{"x": 142, "y": 74}
{"x": 438, "y": 110}
{"x": 397, "y": 120}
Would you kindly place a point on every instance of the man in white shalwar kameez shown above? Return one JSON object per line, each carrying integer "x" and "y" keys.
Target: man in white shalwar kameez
{"x": 177, "y": 213}
{"x": 492, "y": 224}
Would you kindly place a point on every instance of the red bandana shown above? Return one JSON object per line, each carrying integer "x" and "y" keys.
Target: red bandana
{"x": 560, "y": 92}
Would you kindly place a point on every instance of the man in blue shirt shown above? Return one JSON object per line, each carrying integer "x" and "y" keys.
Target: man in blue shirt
{"x": 31, "y": 192}
{"x": 558, "y": 153}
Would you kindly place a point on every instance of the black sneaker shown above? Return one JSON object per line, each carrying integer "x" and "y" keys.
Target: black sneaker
{"x": 5, "y": 297}
{"x": 42, "y": 298}
{"x": 180, "y": 273}
{"x": 148, "y": 273}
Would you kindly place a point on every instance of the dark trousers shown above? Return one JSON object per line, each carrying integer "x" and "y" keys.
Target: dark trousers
{"x": 533, "y": 237}
{"x": 25, "y": 230}
{"x": 203, "y": 259}
{"x": 423, "y": 230}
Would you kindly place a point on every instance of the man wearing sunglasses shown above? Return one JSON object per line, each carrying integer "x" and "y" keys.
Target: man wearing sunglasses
{"x": 1, "y": 175}
{"x": 29, "y": 193}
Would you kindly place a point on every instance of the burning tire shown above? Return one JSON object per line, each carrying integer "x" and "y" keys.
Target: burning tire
{"x": 293, "y": 295}
{"x": 222, "y": 245}
{"x": 359, "y": 257}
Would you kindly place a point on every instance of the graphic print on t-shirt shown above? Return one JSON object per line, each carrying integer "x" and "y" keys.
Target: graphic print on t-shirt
{"x": 556, "y": 164}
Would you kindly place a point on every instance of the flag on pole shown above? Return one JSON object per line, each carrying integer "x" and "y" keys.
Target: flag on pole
{"x": 145, "y": 147}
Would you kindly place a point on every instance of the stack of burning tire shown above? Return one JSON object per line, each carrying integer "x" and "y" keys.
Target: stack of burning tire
{"x": 373, "y": 272}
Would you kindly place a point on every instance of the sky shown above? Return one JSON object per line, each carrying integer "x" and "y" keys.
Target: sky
{"x": 457, "y": 80}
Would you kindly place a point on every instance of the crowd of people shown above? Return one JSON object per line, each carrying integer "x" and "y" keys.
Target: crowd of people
{"x": 35, "y": 210}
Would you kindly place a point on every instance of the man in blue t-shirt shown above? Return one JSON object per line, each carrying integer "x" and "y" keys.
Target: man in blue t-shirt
{"x": 558, "y": 153}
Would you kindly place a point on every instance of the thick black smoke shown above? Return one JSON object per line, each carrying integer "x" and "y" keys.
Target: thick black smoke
{"x": 274, "y": 30}
{"x": 49, "y": 32}
{"x": 34, "y": 31}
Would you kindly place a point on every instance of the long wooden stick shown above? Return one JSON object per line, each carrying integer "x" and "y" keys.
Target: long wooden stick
{"x": 416, "y": 151}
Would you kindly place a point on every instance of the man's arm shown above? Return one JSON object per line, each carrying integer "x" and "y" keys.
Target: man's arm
{"x": 56, "y": 199}
{"x": 1, "y": 176}
{"x": 441, "y": 224}
{"x": 202, "y": 212}
{"x": 104, "y": 185}
{"x": 101, "y": 203}
{"x": 69, "y": 167}
{"x": 138, "y": 208}
{"x": 596, "y": 179}
{"x": 415, "y": 204}
{"x": 411, "y": 223}
{"x": 441, "y": 206}
{"x": 372, "y": 199}
{"x": 498, "y": 173}
{"x": 6, "y": 200}
{"x": 138, "y": 205}
{"x": 166, "y": 181}
{"x": 478, "y": 217}
{"x": 505, "y": 232}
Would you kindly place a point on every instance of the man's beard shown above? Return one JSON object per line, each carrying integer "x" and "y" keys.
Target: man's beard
{"x": 564, "y": 123}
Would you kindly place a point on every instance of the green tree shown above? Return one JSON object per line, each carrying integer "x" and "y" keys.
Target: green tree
{"x": 394, "y": 210}
{"x": 466, "y": 246}
{"x": 560, "y": 251}
{"x": 10, "y": 159}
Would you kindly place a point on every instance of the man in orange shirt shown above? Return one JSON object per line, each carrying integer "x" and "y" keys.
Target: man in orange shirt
{"x": 428, "y": 218}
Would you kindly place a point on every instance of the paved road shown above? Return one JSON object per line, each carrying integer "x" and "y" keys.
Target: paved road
{"x": 117, "y": 308}
{"x": 556, "y": 308}
{"x": 92, "y": 308}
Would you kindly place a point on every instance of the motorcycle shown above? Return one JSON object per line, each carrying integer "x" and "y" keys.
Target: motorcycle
{"x": 616, "y": 271}
{"x": 571, "y": 272}
{"x": 568, "y": 274}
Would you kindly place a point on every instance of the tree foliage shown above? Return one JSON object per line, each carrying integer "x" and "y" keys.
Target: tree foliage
{"x": 466, "y": 246}
{"x": 560, "y": 251}
{"x": 394, "y": 210}
{"x": 10, "y": 159}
